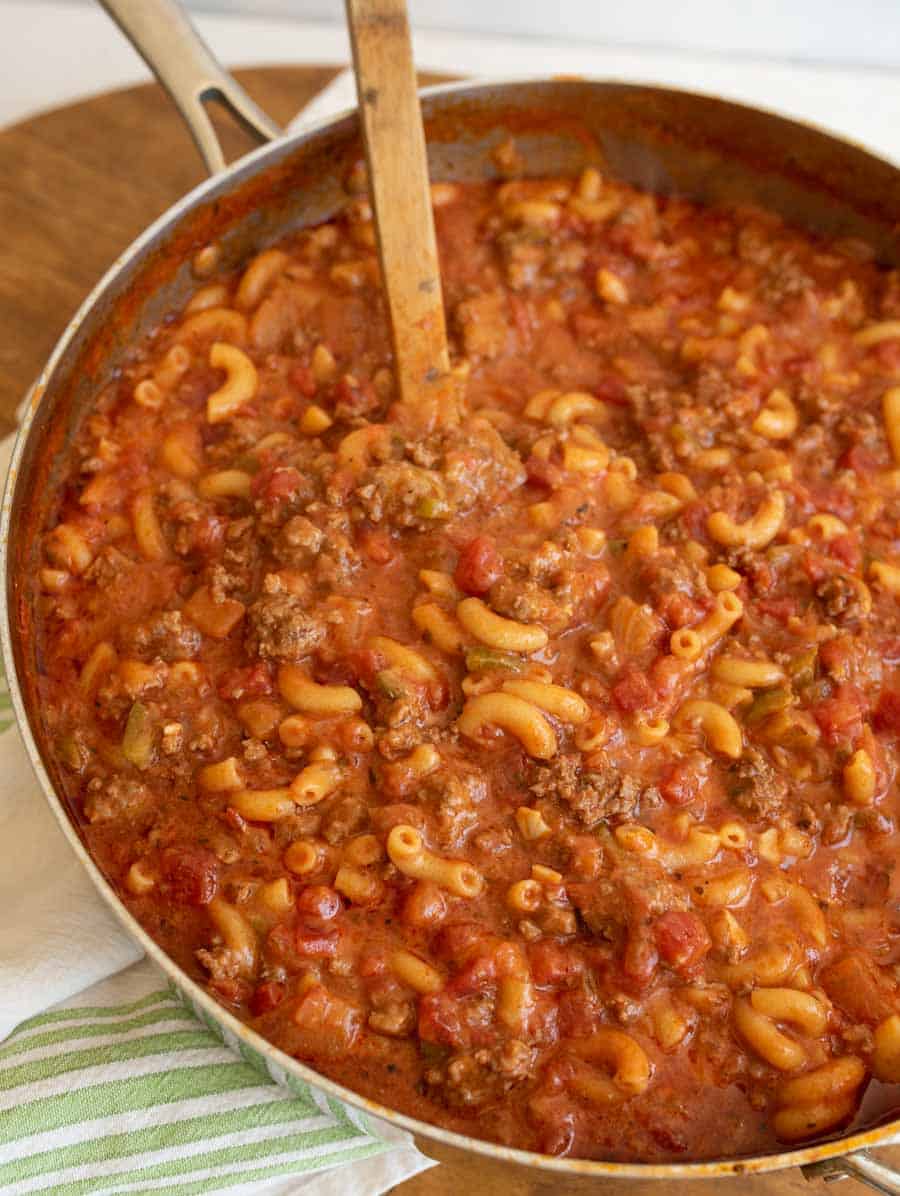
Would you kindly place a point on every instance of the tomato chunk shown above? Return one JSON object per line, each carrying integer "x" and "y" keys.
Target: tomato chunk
{"x": 252, "y": 681}
{"x": 190, "y": 874}
{"x": 266, "y": 997}
{"x": 887, "y": 712}
{"x": 633, "y": 692}
{"x": 479, "y": 566}
{"x": 318, "y": 904}
{"x": 840, "y": 717}
{"x": 682, "y": 939}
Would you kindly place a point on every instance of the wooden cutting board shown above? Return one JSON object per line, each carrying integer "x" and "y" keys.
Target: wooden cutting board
{"x": 77, "y": 185}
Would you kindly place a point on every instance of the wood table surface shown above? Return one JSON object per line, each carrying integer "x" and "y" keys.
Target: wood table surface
{"x": 77, "y": 185}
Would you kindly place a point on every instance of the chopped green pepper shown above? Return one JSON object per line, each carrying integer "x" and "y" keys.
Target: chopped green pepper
{"x": 137, "y": 742}
{"x": 391, "y": 684}
{"x": 482, "y": 660}
{"x": 802, "y": 668}
{"x": 72, "y": 753}
{"x": 768, "y": 701}
{"x": 432, "y": 506}
{"x": 616, "y": 547}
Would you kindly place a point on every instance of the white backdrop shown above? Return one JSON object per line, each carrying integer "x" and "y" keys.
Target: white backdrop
{"x": 861, "y": 31}
{"x": 54, "y": 50}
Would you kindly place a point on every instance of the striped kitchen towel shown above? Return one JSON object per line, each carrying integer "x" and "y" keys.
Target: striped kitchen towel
{"x": 124, "y": 1090}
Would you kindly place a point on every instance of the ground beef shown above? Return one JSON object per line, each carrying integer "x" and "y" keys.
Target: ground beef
{"x": 403, "y": 495}
{"x": 600, "y": 794}
{"x": 755, "y": 788}
{"x": 468, "y": 1080}
{"x": 669, "y": 572}
{"x": 630, "y": 894}
{"x": 107, "y": 565}
{"x": 118, "y": 797}
{"x": 479, "y": 467}
{"x": 298, "y": 542}
{"x": 221, "y": 963}
{"x": 165, "y": 635}
{"x": 839, "y": 598}
{"x": 836, "y": 824}
{"x": 346, "y": 817}
{"x": 397, "y": 1019}
{"x": 241, "y": 554}
{"x": 280, "y": 628}
{"x": 528, "y": 602}
{"x": 455, "y": 799}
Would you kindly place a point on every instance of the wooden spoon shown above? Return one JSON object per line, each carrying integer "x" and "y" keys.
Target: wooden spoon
{"x": 398, "y": 182}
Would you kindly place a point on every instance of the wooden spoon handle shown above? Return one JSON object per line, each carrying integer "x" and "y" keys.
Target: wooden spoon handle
{"x": 398, "y": 181}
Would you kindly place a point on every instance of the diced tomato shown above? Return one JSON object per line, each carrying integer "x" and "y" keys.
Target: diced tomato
{"x": 633, "y": 692}
{"x": 376, "y": 544}
{"x": 361, "y": 665}
{"x": 541, "y": 472}
{"x": 266, "y": 997}
{"x": 206, "y": 535}
{"x": 612, "y": 390}
{"x": 197, "y": 384}
{"x": 316, "y": 943}
{"x": 816, "y": 567}
{"x": 834, "y": 499}
{"x": 372, "y": 965}
{"x": 283, "y": 407}
{"x": 678, "y": 610}
{"x": 836, "y": 656}
{"x": 278, "y": 484}
{"x": 318, "y": 904}
{"x": 475, "y": 976}
{"x": 666, "y": 677}
{"x": 860, "y": 459}
{"x": 302, "y": 378}
{"x": 780, "y": 609}
{"x": 693, "y": 520}
{"x": 479, "y": 566}
{"x": 355, "y": 397}
{"x": 341, "y": 483}
{"x": 580, "y": 1013}
{"x": 453, "y": 1021}
{"x": 840, "y": 717}
{"x": 682, "y": 781}
{"x": 252, "y": 681}
{"x": 461, "y": 940}
{"x": 887, "y": 712}
{"x": 190, "y": 874}
{"x": 848, "y": 550}
{"x": 682, "y": 939}
{"x": 553, "y": 963}
{"x": 858, "y": 986}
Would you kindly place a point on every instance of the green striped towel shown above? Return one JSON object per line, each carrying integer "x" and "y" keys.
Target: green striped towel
{"x": 124, "y": 1090}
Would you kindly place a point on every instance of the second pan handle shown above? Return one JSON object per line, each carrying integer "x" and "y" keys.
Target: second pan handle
{"x": 170, "y": 45}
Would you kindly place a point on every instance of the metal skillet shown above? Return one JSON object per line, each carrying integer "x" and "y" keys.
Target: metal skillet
{"x": 667, "y": 141}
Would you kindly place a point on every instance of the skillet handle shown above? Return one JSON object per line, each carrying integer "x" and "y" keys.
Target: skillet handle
{"x": 859, "y": 1165}
{"x": 164, "y": 37}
